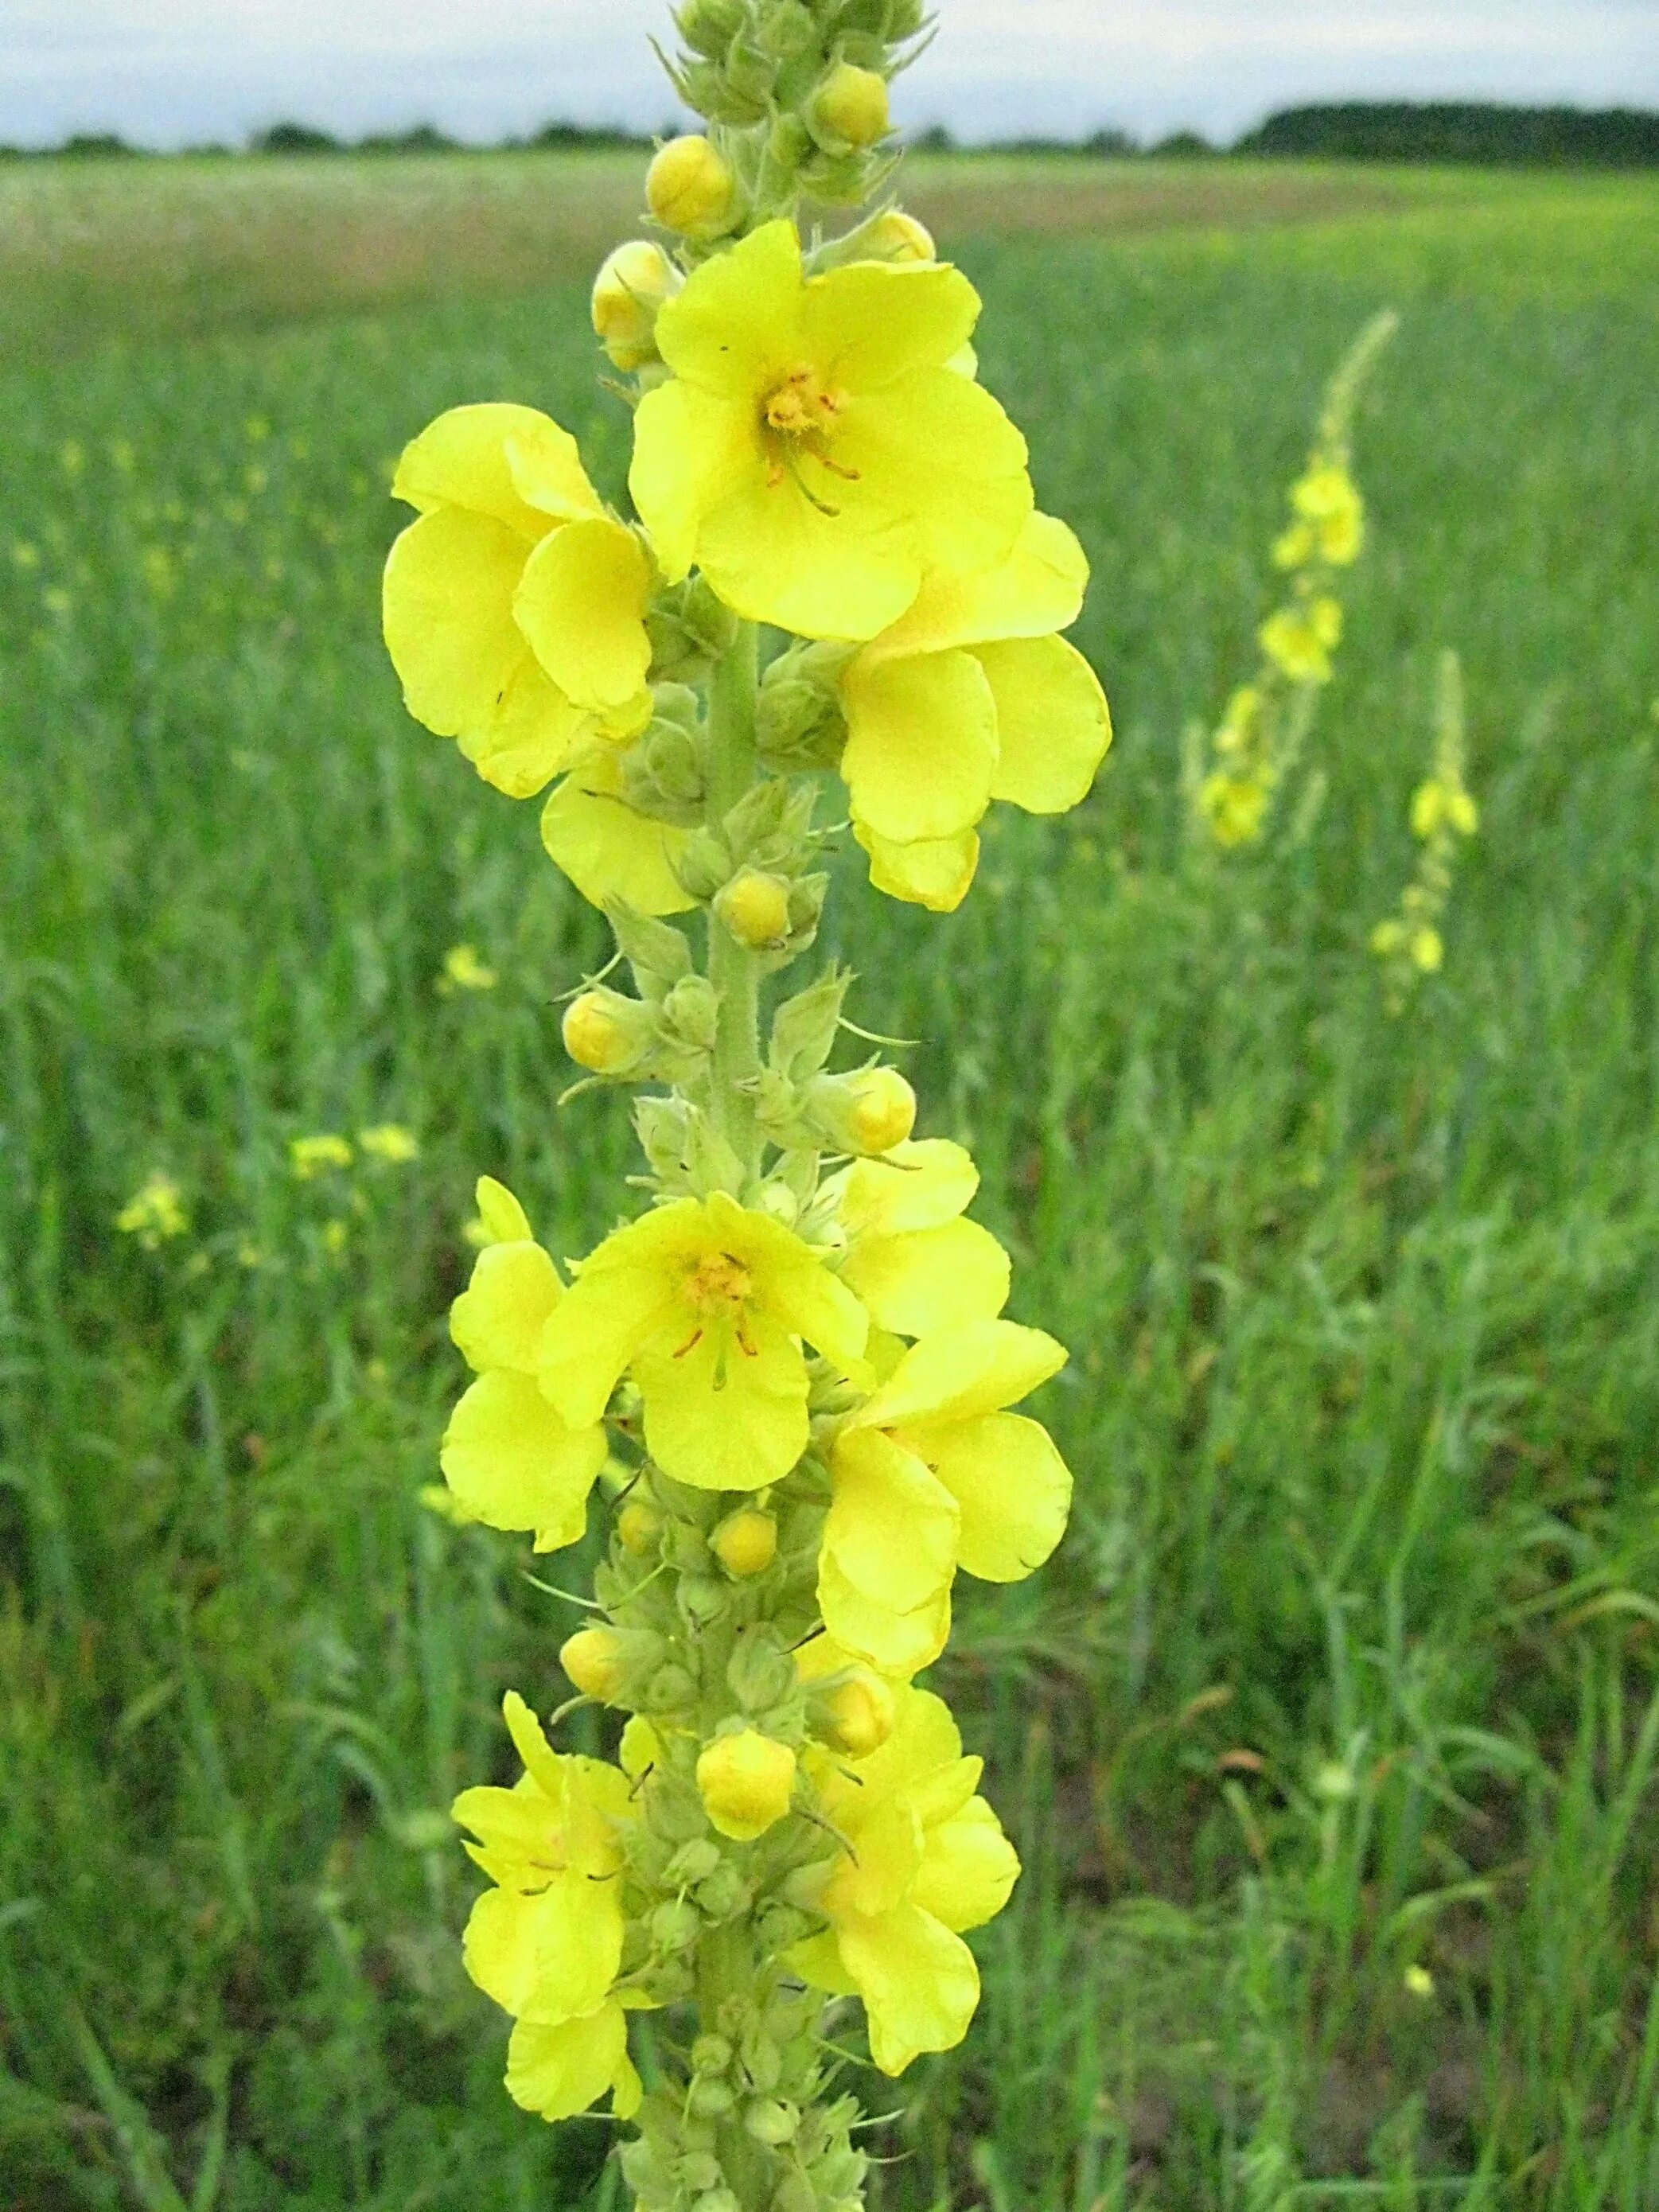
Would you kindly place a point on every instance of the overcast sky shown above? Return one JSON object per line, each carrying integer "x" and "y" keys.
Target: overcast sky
{"x": 169, "y": 71}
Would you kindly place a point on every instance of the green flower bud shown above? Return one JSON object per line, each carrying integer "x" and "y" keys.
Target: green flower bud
{"x": 702, "y": 1602}
{"x": 669, "y": 1689}
{"x": 685, "y": 1546}
{"x": 709, "y": 26}
{"x": 724, "y": 1894}
{"x": 771, "y": 2120}
{"x": 786, "y": 29}
{"x": 704, "y": 865}
{"x": 690, "y": 1013}
{"x": 712, "y": 2054}
{"x": 664, "y": 1128}
{"x": 675, "y": 1926}
{"x": 692, "y": 1863}
{"x": 867, "y": 1113}
{"x": 710, "y": 2098}
{"x": 700, "y": 2171}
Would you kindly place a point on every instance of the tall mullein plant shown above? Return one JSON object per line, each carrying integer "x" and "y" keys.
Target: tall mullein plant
{"x": 785, "y": 1383}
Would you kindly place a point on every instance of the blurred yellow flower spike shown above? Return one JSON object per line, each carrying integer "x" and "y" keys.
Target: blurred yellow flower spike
{"x": 390, "y": 1142}
{"x": 703, "y": 1302}
{"x": 971, "y": 697}
{"x": 545, "y": 1940}
{"x": 1300, "y": 639}
{"x": 933, "y": 1473}
{"x": 811, "y": 452}
{"x": 155, "y": 1213}
{"x": 926, "y": 1859}
{"x": 509, "y": 1456}
{"x": 514, "y": 607}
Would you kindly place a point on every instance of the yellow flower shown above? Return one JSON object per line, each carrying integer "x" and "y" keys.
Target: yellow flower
{"x": 1235, "y": 806}
{"x": 746, "y": 1781}
{"x": 1435, "y": 804}
{"x": 509, "y": 1456}
{"x": 311, "y": 1156}
{"x": 1427, "y": 948}
{"x": 390, "y": 1141}
{"x": 608, "y": 850}
{"x": 1300, "y": 640}
{"x": 156, "y": 1212}
{"x": 971, "y": 697}
{"x": 812, "y": 452}
{"x": 927, "y": 1859}
{"x": 932, "y": 1474}
{"x": 702, "y": 1302}
{"x": 463, "y": 971}
{"x": 1330, "y": 524}
{"x": 514, "y": 607}
{"x": 916, "y": 1263}
{"x": 545, "y": 1942}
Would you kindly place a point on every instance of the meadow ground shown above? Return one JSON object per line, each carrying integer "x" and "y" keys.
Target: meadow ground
{"x": 1331, "y": 1740}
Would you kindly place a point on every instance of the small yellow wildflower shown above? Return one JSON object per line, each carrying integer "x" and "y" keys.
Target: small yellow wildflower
{"x": 514, "y": 606}
{"x": 705, "y": 1302}
{"x": 156, "y": 1212}
{"x": 1419, "y": 1982}
{"x": 545, "y": 1940}
{"x": 1235, "y": 806}
{"x": 311, "y": 1156}
{"x": 390, "y": 1142}
{"x": 463, "y": 971}
{"x": 926, "y": 1859}
{"x": 1299, "y": 640}
{"x": 1435, "y": 803}
{"x": 812, "y": 452}
{"x": 1330, "y": 524}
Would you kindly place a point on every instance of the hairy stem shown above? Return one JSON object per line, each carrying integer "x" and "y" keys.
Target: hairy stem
{"x": 732, "y": 969}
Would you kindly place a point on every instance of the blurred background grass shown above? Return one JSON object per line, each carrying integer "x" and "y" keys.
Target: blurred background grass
{"x": 1330, "y": 1740}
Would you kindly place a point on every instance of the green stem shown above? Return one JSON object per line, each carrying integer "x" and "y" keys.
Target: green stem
{"x": 733, "y": 970}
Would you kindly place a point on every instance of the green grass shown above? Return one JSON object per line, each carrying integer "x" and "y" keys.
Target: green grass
{"x": 1348, "y": 1666}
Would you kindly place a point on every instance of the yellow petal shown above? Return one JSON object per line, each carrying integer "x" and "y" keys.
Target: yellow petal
{"x": 838, "y": 569}
{"x": 920, "y": 1184}
{"x": 931, "y": 1279}
{"x": 817, "y": 1961}
{"x": 529, "y": 734}
{"x": 549, "y": 1958}
{"x": 919, "y": 1983}
{"x": 1037, "y": 590}
{"x": 619, "y": 1300}
{"x": 1013, "y": 1488}
{"x": 512, "y": 463}
{"x": 937, "y": 875}
{"x": 514, "y": 1464}
{"x": 900, "y": 1644}
{"x": 922, "y": 745}
{"x": 448, "y": 608}
{"x": 722, "y": 1416}
{"x": 498, "y": 1319}
{"x": 581, "y": 604}
{"x": 541, "y": 1764}
{"x": 878, "y": 1873}
{"x": 960, "y": 1373}
{"x": 871, "y": 322}
{"x": 969, "y": 1868}
{"x": 941, "y": 458}
{"x": 736, "y": 328}
{"x": 922, "y": 1758}
{"x": 1054, "y": 726}
{"x": 791, "y": 1280}
{"x": 559, "y": 2072}
{"x": 891, "y": 1529}
{"x": 504, "y": 1219}
{"x": 605, "y": 848}
{"x": 690, "y": 449}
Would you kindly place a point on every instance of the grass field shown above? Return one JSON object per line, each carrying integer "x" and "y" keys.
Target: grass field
{"x": 1331, "y": 1740}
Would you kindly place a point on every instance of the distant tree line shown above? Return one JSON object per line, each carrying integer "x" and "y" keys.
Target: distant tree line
{"x": 1563, "y": 137}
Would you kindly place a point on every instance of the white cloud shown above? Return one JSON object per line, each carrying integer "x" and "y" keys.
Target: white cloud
{"x": 169, "y": 69}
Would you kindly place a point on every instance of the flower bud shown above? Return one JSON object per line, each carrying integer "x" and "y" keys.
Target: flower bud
{"x": 755, "y": 908}
{"x": 712, "y": 2054}
{"x": 669, "y": 1689}
{"x": 606, "y": 1033}
{"x": 709, "y": 26}
{"x": 723, "y": 1894}
{"x": 710, "y": 2098}
{"x": 746, "y": 1542}
{"x": 638, "y": 1526}
{"x": 691, "y": 187}
{"x": 675, "y": 1925}
{"x": 747, "y": 1781}
{"x": 594, "y": 1660}
{"x": 786, "y": 29}
{"x": 772, "y": 2120}
{"x": 690, "y": 1013}
{"x": 867, "y": 1113}
{"x": 635, "y": 282}
{"x": 854, "y": 1716}
{"x": 849, "y": 108}
{"x": 895, "y": 236}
